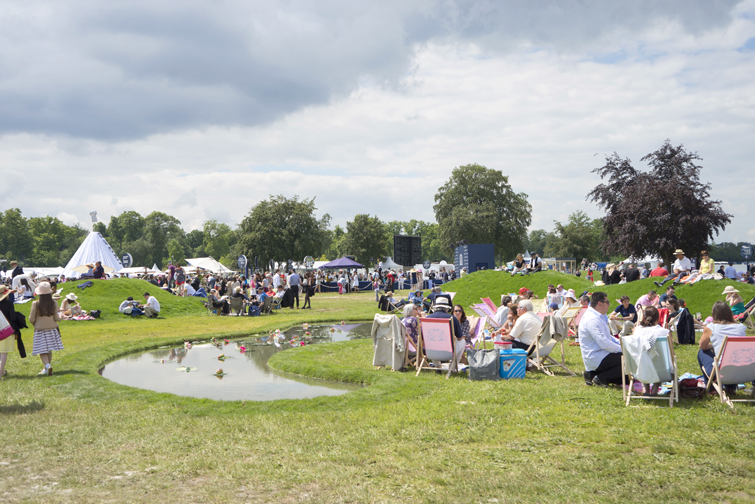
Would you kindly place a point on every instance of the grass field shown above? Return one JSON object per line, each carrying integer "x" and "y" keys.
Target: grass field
{"x": 76, "y": 437}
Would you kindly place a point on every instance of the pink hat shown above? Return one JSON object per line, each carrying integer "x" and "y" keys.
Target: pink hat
{"x": 43, "y": 288}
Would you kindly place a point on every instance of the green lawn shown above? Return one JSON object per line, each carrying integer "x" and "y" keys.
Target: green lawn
{"x": 76, "y": 437}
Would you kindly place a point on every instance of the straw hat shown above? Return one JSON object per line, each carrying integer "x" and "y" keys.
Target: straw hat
{"x": 43, "y": 288}
{"x": 71, "y": 296}
{"x": 4, "y": 291}
{"x": 729, "y": 290}
{"x": 678, "y": 252}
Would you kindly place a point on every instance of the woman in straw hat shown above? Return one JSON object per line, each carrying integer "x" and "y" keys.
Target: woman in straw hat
{"x": 736, "y": 303}
{"x": 8, "y": 344}
{"x": 44, "y": 317}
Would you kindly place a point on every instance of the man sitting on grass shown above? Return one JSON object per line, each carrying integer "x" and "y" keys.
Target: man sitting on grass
{"x": 151, "y": 307}
{"x": 682, "y": 267}
{"x": 601, "y": 352}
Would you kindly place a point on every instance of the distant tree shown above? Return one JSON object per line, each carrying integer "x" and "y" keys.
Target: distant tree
{"x": 195, "y": 239}
{"x": 280, "y": 228}
{"x": 176, "y": 252}
{"x": 537, "y": 241}
{"x": 160, "y": 229}
{"x": 479, "y": 205}
{"x": 365, "y": 239}
{"x": 15, "y": 239}
{"x": 658, "y": 211}
{"x": 216, "y": 238}
{"x": 49, "y": 235}
{"x": 125, "y": 228}
{"x": 335, "y": 240}
{"x": 575, "y": 239}
{"x": 726, "y": 251}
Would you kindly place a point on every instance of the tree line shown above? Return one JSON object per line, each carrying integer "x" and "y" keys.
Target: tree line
{"x": 647, "y": 213}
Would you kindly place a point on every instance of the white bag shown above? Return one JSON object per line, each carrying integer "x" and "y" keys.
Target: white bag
{"x": 5, "y": 328}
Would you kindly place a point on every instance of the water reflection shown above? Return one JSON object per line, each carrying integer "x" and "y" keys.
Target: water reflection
{"x": 242, "y": 374}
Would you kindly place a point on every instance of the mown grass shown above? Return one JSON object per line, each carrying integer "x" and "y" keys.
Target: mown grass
{"x": 76, "y": 437}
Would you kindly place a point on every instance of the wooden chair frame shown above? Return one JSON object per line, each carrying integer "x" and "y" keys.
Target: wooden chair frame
{"x": 715, "y": 380}
{"x": 627, "y": 388}
{"x": 544, "y": 341}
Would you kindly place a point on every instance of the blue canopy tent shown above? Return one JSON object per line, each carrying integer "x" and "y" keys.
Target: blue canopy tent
{"x": 343, "y": 262}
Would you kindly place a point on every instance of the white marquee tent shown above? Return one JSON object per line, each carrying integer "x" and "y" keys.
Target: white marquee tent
{"x": 94, "y": 248}
{"x": 208, "y": 263}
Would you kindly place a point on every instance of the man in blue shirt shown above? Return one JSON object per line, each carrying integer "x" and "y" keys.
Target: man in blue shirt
{"x": 293, "y": 283}
{"x": 667, "y": 297}
{"x": 730, "y": 272}
{"x": 601, "y": 352}
{"x": 623, "y": 318}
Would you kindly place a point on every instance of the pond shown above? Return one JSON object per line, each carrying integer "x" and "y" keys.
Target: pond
{"x": 191, "y": 370}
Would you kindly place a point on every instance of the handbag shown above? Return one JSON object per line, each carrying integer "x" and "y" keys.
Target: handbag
{"x": 5, "y": 328}
{"x": 484, "y": 364}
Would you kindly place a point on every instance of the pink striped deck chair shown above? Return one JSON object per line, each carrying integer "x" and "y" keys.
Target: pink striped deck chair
{"x": 476, "y": 327}
{"x": 437, "y": 341}
{"x": 484, "y": 311}
{"x": 574, "y": 323}
{"x": 489, "y": 303}
{"x": 735, "y": 364}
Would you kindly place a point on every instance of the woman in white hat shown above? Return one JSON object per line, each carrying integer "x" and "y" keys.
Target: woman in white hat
{"x": 736, "y": 303}
{"x": 44, "y": 317}
{"x": 70, "y": 306}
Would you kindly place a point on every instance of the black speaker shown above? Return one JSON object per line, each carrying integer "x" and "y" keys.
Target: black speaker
{"x": 407, "y": 250}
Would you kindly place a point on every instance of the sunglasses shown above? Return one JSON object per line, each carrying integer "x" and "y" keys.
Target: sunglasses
{"x": 457, "y": 311}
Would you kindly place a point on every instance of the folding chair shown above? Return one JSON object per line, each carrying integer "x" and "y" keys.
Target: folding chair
{"x": 574, "y": 325}
{"x": 746, "y": 316}
{"x": 489, "y": 303}
{"x": 237, "y": 305}
{"x": 539, "y": 305}
{"x": 735, "y": 364}
{"x": 267, "y": 306}
{"x": 451, "y": 296}
{"x": 208, "y": 304}
{"x": 659, "y": 365}
{"x": 388, "y": 339}
{"x": 437, "y": 343}
{"x": 553, "y": 331}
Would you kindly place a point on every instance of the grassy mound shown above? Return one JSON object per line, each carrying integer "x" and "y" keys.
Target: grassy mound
{"x": 107, "y": 296}
{"x": 699, "y": 297}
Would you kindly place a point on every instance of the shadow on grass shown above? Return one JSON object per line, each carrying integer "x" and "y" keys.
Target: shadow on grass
{"x": 19, "y": 409}
{"x": 56, "y": 372}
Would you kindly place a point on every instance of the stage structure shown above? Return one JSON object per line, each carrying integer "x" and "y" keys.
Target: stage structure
{"x": 407, "y": 250}
{"x": 474, "y": 257}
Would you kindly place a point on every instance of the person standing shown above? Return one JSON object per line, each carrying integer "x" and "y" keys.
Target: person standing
{"x": 180, "y": 278}
{"x": 44, "y": 317}
{"x": 293, "y": 283}
{"x": 171, "y": 275}
{"x": 7, "y": 345}
{"x": 601, "y": 352}
{"x": 17, "y": 270}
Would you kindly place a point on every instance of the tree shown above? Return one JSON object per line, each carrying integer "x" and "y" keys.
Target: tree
{"x": 176, "y": 252}
{"x": 335, "y": 242}
{"x": 365, "y": 239}
{"x": 477, "y": 204}
{"x": 125, "y": 228}
{"x": 280, "y": 229}
{"x": 49, "y": 235}
{"x": 576, "y": 238}
{"x": 15, "y": 238}
{"x": 658, "y": 211}
{"x": 195, "y": 239}
{"x": 160, "y": 229}
{"x": 216, "y": 238}
{"x": 537, "y": 242}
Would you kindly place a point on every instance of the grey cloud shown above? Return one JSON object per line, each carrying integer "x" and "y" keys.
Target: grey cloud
{"x": 124, "y": 70}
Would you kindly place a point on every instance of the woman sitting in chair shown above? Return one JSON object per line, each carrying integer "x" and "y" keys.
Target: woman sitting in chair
{"x": 649, "y": 329}
{"x": 723, "y": 325}
{"x": 463, "y": 322}
{"x": 411, "y": 322}
{"x": 736, "y": 303}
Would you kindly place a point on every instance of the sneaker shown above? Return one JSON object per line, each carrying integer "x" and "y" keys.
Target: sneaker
{"x": 43, "y": 372}
{"x": 49, "y": 370}
{"x": 597, "y": 381}
{"x": 587, "y": 375}
{"x": 659, "y": 284}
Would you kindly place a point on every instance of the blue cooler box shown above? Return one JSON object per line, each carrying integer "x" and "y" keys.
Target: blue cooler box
{"x": 513, "y": 363}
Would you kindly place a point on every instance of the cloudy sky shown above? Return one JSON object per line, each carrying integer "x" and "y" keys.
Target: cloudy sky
{"x": 202, "y": 109}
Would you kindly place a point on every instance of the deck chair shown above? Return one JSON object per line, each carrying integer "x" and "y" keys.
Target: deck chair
{"x": 267, "y": 306}
{"x": 208, "y": 304}
{"x": 552, "y": 332}
{"x": 539, "y": 305}
{"x": 574, "y": 323}
{"x": 490, "y": 304}
{"x": 746, "y": 316}
{"x": 734, "y": 364}
{"x": 276, "y": 302}
{"x": 437, "y": 343}
{"x": 659, "y": 365}
{"x": 476, "y": 328}
{"x": 237, "y": 305}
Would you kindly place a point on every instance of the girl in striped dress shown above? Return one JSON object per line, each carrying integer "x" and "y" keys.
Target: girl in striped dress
{"x": 44, "y": 317}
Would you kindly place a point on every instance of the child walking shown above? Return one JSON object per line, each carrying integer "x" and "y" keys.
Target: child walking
{"x": 44, "y": 317}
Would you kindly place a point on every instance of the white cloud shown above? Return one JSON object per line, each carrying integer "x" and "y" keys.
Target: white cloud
{"x": 538, "y": 110}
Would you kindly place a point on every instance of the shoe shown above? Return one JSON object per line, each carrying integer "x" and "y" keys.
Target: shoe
{"x": 587, "y": 375}
{"x": 5, "y": 373}
{"x": 43, "y": 372}
{"x": 597, "y": 381}
{"x": 659, "y": 284}
{"x": 49, "y": 370}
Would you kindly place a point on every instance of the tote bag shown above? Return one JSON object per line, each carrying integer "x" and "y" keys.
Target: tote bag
{"x": 5, "y": 328}
{"x": 483, "y": 364}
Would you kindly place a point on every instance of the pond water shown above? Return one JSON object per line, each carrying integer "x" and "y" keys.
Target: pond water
{"x": 191, "y": 370}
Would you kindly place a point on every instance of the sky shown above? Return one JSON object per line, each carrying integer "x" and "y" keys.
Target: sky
{"x": 203, "y": 109}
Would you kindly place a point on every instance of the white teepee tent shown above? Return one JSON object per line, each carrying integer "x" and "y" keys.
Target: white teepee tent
{"x": 94, "y": 248}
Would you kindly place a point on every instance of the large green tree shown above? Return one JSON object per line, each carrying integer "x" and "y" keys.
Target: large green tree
{"x": 366, "y": 239}
{"x": 217, "y": 238}
{"x": 477, "y": 204}
{"x": 49, "y": 235}
{"x": 280, "y": 228}
{"x": 657, "y": 211}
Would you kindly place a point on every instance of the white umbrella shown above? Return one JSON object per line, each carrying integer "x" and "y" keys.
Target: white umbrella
{"x": 85, "y": 267}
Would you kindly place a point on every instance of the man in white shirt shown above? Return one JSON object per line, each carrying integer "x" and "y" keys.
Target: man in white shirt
{"x": 535, "y": 264}
{"x": 526, "y": 328}
{"x": 601, "y": 352}
{"x": 152, "y": 306}
{"x": 682, "y": 267}
{"x": 276, "y": 279}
